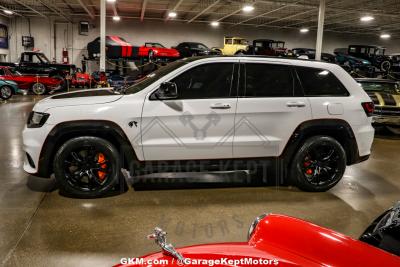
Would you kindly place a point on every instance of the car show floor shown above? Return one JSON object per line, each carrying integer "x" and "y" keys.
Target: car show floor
{"x": 41, "y": 227}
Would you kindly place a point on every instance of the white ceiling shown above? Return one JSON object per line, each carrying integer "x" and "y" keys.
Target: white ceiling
{"x": 341, "y": 15}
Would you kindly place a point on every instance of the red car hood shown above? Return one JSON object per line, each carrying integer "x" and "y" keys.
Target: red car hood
{"x": 283, "y": 241}
{"x": 166, "y": 51}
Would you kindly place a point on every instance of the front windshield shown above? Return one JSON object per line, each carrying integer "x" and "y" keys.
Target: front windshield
{"x": 14, "y": 72}
{"x": 154, "y": 76}
{"x": 381, "y": 87}
{"x": 198, "y": 46}
{"x": 154, "y": 45}
{"x": 43, "y": 58}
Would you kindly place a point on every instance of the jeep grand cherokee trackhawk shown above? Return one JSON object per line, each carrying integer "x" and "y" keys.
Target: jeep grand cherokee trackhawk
{"x": 310, "y": 116}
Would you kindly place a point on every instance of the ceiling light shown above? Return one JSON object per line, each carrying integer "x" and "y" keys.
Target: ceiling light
{"x": 385, "y": 36}
{"x": 8, "y": 12}
{"x": 116, "y": 18}
{"x": 215, "y": 23}
{"x": 248, "y": 8}
{"x": 367, "y": 18}
{"x": 111, "y": 1}
{"x": 304, "y": 30}
{"x": 172, "y": 14}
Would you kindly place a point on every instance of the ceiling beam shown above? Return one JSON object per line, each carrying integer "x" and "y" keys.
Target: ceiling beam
{"x": 287, "y": 17}
{"x": 204, "y": 11}
{"x": 55, "y": 9}
{"x": 143, "y": 10}
{"x": 173, "y": 9}
{"x": 266, "y": 13}
{"x": 91, "y": 15}
{"x": 29, "y": 7}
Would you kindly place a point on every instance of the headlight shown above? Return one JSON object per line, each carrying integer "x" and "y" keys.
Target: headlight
{"x": 37, "y": 119}
{"x": 254, "y": 224}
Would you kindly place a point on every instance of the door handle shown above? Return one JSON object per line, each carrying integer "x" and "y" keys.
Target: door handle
{"x": 220, "y": 106}
{"x": 295, "y": 104}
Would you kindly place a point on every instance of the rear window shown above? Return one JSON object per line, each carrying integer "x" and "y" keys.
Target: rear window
{"x": 320, "y": 82}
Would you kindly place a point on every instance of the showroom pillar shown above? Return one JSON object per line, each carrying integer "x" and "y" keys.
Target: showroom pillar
{"x": 103, "y": 35}
{"x": 320, "y": 31}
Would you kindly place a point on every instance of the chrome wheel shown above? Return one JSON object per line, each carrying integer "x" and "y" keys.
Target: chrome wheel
{"x": 6, "y": 92}
{"x": 38, "y": 88}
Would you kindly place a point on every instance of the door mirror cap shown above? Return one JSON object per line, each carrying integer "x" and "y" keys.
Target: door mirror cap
{"x": 167, "y": 90}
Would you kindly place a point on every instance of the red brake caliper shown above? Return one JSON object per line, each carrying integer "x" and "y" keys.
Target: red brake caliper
{"x": 101, "y": 159}
{"x": 309, "y": 171}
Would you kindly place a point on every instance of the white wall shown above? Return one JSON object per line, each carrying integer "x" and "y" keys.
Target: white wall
{"x": 170, "y": 34}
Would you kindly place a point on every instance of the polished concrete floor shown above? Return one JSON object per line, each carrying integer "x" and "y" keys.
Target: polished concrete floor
{"x": 40, "y": 227}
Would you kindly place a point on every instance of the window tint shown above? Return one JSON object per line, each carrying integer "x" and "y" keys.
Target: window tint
{"x": 267, "y": 80}
{"x": 206, "y": 81}
{"x": 320, "y": 82}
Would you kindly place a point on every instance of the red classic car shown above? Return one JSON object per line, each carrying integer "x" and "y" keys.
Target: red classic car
{"x": 38, "y": 84}
{"x": 279, "y": 240}
{"x": 156, "y": 51}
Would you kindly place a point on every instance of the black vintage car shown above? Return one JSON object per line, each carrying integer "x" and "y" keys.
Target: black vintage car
{"x": 374, "y": 54}
{"x": 190, "y": 49}
{"x": 37, "y": 63}
{"x": 267, "y": 47}
{"x": 310, "y": 54}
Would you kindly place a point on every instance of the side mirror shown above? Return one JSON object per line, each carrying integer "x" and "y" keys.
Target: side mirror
{"x": 167, "y": 90}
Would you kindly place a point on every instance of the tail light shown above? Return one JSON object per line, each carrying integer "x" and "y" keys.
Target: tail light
{"x": 368, "y": 107}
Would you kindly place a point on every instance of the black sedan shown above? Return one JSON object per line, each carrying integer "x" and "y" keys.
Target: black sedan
{"x": 191, "y": 49}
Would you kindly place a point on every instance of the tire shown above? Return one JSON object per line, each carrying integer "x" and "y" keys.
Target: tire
{"x": 318, "y": 165}
{"x": 239, "y": 53}
{"x": 39, "y": 88}
{"x": 6, "y": 92}
{"x": 77, "y": 164}
{"x": 385, "y": 65}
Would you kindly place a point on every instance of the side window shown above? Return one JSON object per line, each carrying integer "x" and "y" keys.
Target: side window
{"x": 206, "y": 81}
{"x": 228, "y": 41}
{"x": 2, "y": 72}
{"x": 267, "y": 80}
{"x": 320, "y": 82}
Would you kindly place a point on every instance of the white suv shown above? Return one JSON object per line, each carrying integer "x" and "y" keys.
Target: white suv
{"x": 311, "y": 118}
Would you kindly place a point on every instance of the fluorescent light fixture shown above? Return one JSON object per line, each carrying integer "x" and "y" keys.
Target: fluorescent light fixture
{"x": 8, "y": 12}
{"x": 111, "y": 1}
{"x": 172, "y": 14}
{"x": 304, "y": 30}
{"x": 367, "y": 18}
{"x": 385, "y": 36}
{"x": 215, "y": 23}
{"x": 248, "y": 8}
{"x": 116, "y": 18}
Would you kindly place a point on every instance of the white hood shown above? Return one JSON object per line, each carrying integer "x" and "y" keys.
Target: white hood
{"x": 78, "y": 98}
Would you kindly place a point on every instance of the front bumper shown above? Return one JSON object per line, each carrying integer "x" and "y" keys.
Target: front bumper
{"x": 33, "y": 140}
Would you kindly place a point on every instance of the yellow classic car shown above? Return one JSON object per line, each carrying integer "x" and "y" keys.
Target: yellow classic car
{"x": 234, "y": 46}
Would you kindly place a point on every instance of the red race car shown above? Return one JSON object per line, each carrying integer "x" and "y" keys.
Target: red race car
{"x": 157, "y": 52}
{"x": 38, "y": 84}
{"x": 279, "y": 240}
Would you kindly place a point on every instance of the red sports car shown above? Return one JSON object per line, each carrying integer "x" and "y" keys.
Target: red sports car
{"x": 156, "y": 51}
{"x": 279, "y": 240}
{"x": 38, "y": 84}
{"x": 82, "y": 79}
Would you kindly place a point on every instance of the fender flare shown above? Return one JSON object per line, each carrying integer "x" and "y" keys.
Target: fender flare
{"x": 66, "y": 130}
{"x": 336, "y": 128}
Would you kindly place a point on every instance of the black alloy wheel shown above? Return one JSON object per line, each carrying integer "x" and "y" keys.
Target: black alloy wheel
{"x": 87, "y": 166}
{"x": 319, "y": 164}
